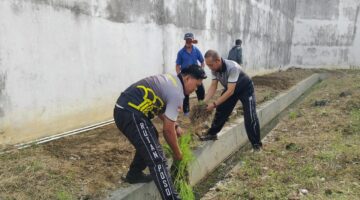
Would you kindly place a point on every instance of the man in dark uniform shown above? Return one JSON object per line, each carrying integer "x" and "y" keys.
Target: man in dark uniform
{"x": 235, "y": 53}
{"x": 162, "y": 96}
{"x": 238, "y": 86}
{"x": 187, "y": 56}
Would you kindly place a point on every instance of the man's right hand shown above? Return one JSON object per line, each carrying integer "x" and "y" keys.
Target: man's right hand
{"x": 171, "y": 138}
{"x": 179, "y": 131}
{"x": 178, "y": 69}
{"x": 178, "y": 156}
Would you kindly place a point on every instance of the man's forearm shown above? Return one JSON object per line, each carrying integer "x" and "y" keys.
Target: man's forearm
{"x": 171, "y": 139}
{"x": 224, "y": 97}
{"x": 178, "y": 69}
{"x": 210, "y": 94}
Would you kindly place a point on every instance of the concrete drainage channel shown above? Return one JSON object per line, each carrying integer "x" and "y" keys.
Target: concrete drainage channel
{"x": 210, "y": 154}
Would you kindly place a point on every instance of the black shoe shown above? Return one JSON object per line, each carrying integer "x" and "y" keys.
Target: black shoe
{"x": 208, "y": 137}
{"x": 186, "y": 110}
{"x": 133, "y": 178}
{"x": 257, "y": 148}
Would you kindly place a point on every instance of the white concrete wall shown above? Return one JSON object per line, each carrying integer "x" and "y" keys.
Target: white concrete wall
{"x": 61, "y": 70}
{"x": 63, "y": 63}
{"x": 355, "y": 49}
{"x": 326, "y": 33}
{"x": 265, "y": 26}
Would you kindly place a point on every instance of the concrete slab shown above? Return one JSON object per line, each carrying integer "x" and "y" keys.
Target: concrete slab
{"x": 210, "y": 154}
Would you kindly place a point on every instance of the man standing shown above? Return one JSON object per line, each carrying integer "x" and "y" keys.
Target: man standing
{"x": 235, "y": 53}
{"x": 160, "y": 95}
{"x": 238, "y": 86}
{"x": 187, "y": 56}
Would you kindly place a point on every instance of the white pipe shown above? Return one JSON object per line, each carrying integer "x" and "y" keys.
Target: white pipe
{"x": 61, "y": 135}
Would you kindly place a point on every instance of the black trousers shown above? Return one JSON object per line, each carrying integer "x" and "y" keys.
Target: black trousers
{"x": 247, "y": 97}
{"x": 200, "y": 93}
{"x": 143, "y": 135}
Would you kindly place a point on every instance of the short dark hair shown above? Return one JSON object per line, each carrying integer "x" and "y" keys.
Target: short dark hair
{"x": 212, "y": 54}
{"x": 195, "y": 71}
{"x": 238, "y": 42}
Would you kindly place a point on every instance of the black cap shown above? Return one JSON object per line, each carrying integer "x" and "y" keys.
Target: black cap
{"x": 238, "y": 42}
{"x": 195, "y": 71}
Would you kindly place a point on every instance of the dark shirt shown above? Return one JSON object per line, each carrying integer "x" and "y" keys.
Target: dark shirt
{"x": 154, "y": 95}
{"x": 235, "y": 54}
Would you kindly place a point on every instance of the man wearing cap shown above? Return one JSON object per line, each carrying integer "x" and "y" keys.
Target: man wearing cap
{"x": 238, "y": 86}
{"x": 187, "y": 56}
{"x": 235, "y": 53}
{"x": 160, "y": 95}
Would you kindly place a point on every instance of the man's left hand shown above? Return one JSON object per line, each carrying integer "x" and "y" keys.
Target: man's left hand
{"x": 210, "y": 107}
{"x": 179, "y": 131}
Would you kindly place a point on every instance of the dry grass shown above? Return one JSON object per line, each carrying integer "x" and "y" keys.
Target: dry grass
{"x": 199, "y": 113}
{"x": 313, "y": 153}
{"x": 87, "y": 165}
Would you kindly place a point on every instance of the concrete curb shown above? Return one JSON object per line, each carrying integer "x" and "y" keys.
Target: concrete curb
{"x": 210, "y": 154}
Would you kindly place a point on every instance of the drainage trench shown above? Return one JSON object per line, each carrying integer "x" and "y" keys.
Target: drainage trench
{"x": 210, "y": 156}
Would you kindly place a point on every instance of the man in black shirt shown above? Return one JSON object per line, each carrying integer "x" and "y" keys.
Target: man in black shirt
{"x": 235, "y": 53}
{"x": 162, "y": 96}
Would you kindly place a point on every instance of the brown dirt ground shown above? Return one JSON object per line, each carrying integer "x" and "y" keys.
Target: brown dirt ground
{"x": 312, "y": 153}
{"x": 88, "y": 165}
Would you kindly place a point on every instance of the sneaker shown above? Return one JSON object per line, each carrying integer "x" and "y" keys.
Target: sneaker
{"x": 187, "y": 114}
{"x": 208, "y": 137}
{"x": 133, "y": 178}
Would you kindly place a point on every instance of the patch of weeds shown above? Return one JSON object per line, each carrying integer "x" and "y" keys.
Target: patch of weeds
{"x": 19, "y": 169}
{"x": 291, "y": 161}
{"x": 323, "y": 113}
{"x": 293, "y": 147}
{"x": 308, "y": 171}
{"x": 355, "y": 120}
{"x": 272, "y": 173}
{"x": 251, "y": 169}
{"x": 353, "y": 104}
{"x": 321, "y": 102}
{"x": 179, "y": 169}
{"x": 69, "y": 177}
{"x": 268, "y": 96}
{"x": 293, "y": 115}
{"x": 347, "y": 130}
{"x": 36, "y": 166}
{"x": 63, "y": 195}
{"x": 246, "y": 195}
{"x": 326, "y": 156}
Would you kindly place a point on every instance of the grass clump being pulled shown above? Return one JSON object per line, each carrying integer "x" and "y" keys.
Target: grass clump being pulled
{"x": 179, "y": 169}
{"x": 199, "y": 113}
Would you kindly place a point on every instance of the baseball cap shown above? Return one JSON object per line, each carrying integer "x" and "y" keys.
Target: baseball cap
{"x": 195, "y": 71}
{"x": 189, "y": 36}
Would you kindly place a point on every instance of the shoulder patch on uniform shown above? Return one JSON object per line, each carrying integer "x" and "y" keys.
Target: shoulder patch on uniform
{"x": 172, "y": 80}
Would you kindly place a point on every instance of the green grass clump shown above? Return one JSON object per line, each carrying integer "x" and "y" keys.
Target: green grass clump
{"x": 63, "y": 195}
{"x": 179, "y": 169}
{"x": 355, "y": 120}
